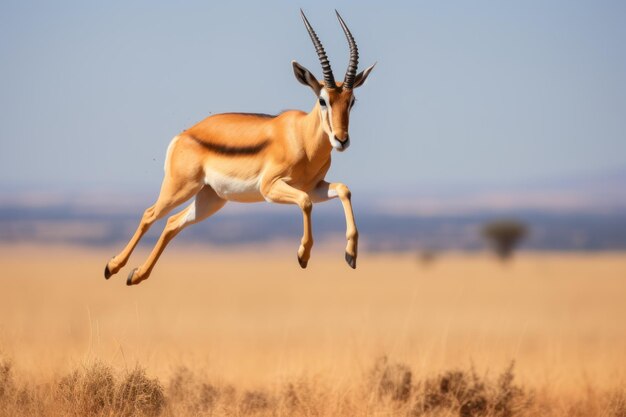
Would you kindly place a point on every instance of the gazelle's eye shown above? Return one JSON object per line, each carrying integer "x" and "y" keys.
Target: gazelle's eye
{"x": 322, "y": 102}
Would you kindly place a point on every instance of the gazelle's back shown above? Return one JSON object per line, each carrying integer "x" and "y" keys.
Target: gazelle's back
{"x": 233, "y": 133}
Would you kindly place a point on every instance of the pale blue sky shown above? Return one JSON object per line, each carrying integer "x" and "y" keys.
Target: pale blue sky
{"x": 476, "y": 92}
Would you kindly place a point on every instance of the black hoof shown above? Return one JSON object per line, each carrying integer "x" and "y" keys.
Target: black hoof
{"x": 129, "y": 280}
{"x": 302, "y": 263}
{"x": 351, "y": 260}
{"x": 107, "y": 272}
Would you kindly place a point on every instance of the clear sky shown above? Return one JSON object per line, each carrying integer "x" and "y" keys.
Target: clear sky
{"x": 468, "y": 92}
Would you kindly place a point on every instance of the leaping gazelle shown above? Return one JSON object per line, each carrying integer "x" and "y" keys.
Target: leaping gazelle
{"x": 253, "y": 157}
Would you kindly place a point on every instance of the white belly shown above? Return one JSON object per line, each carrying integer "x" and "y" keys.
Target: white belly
{"x": 234, "y": 189}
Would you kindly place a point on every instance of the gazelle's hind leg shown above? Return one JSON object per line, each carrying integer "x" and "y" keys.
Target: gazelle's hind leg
{"x": 207, "y": 202}
{"x": 173, "y": 193}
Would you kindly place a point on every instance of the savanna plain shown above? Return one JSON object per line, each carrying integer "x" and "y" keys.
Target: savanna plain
{"x": 245, "y": 331}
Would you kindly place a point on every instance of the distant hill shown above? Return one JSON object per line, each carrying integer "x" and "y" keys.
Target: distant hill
{"x": 592, "y": 194}
{"x": 448, "y": 222}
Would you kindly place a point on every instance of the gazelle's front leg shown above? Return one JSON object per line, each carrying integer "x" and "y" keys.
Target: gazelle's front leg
{"x": 324, "y": 192}
{"x": 280, "y": 192}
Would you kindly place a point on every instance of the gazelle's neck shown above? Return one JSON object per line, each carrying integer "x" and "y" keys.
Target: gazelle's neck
{"x": 314, "y": 140}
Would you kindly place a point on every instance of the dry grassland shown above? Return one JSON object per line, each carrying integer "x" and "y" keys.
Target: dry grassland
{"x": 247, "y": 332}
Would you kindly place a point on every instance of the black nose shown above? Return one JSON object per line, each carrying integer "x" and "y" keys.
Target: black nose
{"x": 344, "y": 140}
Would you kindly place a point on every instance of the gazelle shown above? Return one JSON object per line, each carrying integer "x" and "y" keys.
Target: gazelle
{"x": 254, "y": 157}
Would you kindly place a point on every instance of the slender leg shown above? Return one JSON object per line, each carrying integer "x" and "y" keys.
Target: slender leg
{"x": 282, "y": 193}
{"x": 173, "y": 194}
{"x": 324, "y": 192}
{"x": 207, "y": 202}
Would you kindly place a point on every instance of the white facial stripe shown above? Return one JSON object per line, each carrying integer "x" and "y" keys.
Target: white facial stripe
{"x": 330, "y": 131}
{"x": 325, "y": 111}
{"x": 329, "y": 110}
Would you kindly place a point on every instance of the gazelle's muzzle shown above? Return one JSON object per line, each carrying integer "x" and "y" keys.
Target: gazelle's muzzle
{"x": 340, "y": 144}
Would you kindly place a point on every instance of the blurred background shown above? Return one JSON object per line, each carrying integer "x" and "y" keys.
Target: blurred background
{"x": 475, "y": 113}
{"x": 486, "y": 127}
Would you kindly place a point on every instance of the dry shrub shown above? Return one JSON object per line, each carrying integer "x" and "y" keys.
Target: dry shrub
{"x": 6, "y": 380}
{"x": 88, "y": 391}
{"x": 391, "y": 380}
{"x": 31, "y": 401}
{"x": 508, "y": 399}
{"x": 180, "y": 384}
{"x": 19, "y": 400}
{"x": 469, "y": 395}
{"x": 454, "y": 390}
{"x": 138, "y": 395}
{"x": 617, "y": 404}
{"x": 7, "y": 387}
{"x": 302, "y": 397}
{"x": 313, "y": 396}
{"x": 253, "y": 402}
{"x": 94, "y": 391}
{"x": 189, "y": 395}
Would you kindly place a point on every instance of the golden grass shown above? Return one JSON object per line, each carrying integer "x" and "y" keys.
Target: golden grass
{"x": 248, "y": 332}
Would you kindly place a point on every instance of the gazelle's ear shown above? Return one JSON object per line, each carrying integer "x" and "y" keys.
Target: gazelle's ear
{"x": 362, "y": 76}
{"x": 305, "y": 77}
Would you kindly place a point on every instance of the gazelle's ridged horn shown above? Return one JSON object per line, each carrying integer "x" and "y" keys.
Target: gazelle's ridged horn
{"x": 348, "y": 81}
{"x": 329, "y": 79}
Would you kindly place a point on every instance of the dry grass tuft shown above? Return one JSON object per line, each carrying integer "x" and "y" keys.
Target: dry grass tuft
{"x": 455, "y": 392}
{"x": 95, "y": 391}
{"x": 469, "y": 395}
{"x": 617, "y": 403}
{"x": 188, "y": 395}
{"x": 254, "y": 402}
{"x": 6, "y": 380}
{"x": 88, "y": 390}
{"x": 138, "y": 395}
{"x": 304, "y": 397}
{"x": 391, "y": 380}
{"x": 16, "y": 399}
{"x": 7, "y": 387}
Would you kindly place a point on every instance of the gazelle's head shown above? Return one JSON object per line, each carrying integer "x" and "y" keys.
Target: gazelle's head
{"x": 335, "y": 100}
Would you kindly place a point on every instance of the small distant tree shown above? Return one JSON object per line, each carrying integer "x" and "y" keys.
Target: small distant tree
{"x": 427, "y": 256}
{"x": 504, "y": 236}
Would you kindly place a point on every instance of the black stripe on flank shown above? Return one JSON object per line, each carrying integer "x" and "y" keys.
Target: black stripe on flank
{"x": 262, "y": 115}
{"x": 232, "y": 150}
